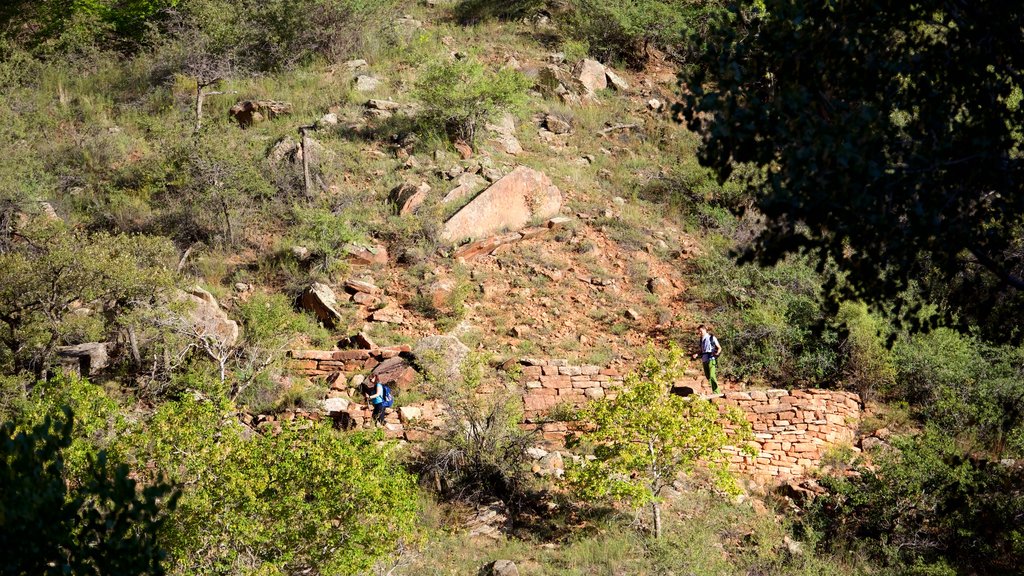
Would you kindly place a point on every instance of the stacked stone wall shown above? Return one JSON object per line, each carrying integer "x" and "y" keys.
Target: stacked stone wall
{"x": 792, "y": 429}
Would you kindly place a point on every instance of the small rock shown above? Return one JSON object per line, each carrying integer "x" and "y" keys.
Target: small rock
{"x": 388, "y": 314}
{"x": 592, "y": 75}
{"x": 659, "y": 286}
{"x": 361, "y": 286}
{"x": 519, "y": 331}
{"x": 333, "y": 405}
{"x": 329, "y": 119}
{"x": 655, "y": 104}
{"x": 503, "y": 568}
{"x": 378, "y": 104}
{"x": 321, "y": 300}
{"x": 409, "y": 413}
{"x": 632, "y": 314}
{"x": 615, "y": 80}
{"x": 357, "y": 64}
{"x": 464, "y": 150}
{"x": 242, "y": 287}
{"x": 364, "y": 83}
{"x": 556, "y": 124}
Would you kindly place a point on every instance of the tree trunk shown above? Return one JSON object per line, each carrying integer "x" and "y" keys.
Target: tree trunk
{"x": 656, "y": 509}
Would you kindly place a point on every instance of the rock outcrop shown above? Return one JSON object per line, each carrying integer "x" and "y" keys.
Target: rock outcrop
{"x": 322, "y": 301}
{"x": 207, "y": 318}
{"x": 441, "y": 357}
{"x": 510, "y": 203}
{"x": 249, "y": 112}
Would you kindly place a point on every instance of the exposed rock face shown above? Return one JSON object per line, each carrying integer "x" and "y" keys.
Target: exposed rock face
{"x": 321, "y": 300}
{"x": 509, "y": 204}
{"x": 441, "y": 357}
{"x": 207, "y": 317}
{"x": 249, "y": 112}
{"x": 592, "y": 75}
{"x": 408, "y": 197}
{"x": 84, "y": 359}
{"x": 367, "y": 255}
{"x": 505, "y": 135}
{"x": 468, "y": 184}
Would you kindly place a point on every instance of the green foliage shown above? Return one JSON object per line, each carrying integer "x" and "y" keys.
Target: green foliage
{"x": 766, "y": 319}
{"x": 306, "y": 498}
{"x": 63, "y": 286}
{"x": 481, "y": 453}
{"x": 100, "y": 524}
{"x": 926, "y": 506}
{"x": 472, "y": 11}
{"x": 966, "y": 387}
{"x": 863, "y": 115}
{"x": 325, "y": 234}
{"x": 645, "y": 437}
{"x": 459, "y": 95}
{"x": 867, "y": 363}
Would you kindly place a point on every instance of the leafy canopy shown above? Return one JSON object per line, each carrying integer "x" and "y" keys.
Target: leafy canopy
{"x": 889, "y": 139}
{"x": 101, "y": 523}
{"x": 645, "y": 437}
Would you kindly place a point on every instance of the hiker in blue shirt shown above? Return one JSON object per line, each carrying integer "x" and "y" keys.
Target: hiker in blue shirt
{"x": 710, "y": 348}
{"x": 376, "y": 396}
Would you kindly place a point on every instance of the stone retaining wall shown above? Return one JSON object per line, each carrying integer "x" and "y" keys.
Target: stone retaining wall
{"x": 549, "y": 383}
{"x": 792, "y": 428}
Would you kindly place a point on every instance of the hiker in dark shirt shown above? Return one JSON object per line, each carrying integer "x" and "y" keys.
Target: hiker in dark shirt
{"x": 708, "y": 353}
{"x": 375, "y": 395}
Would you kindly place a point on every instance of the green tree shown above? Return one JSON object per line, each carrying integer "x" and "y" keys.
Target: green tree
{"x": 645, "y": 437}
{"x": 100, "y": 524}
{"x": 303, "y": 499}
{"x": 60, "y": 285}
{"x": 889, "y": 135}
{"x": 459, "y": 95}
{"x": 924, "y": 503}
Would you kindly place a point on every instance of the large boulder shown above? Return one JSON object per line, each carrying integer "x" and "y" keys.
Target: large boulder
{"x": 322, "y": 301}
{"x": 395, "y": 372}
{"x": 207, "y": 318}
{"x": 84, "y": 359}
{"x": 511, "y": 203}
{"x": 440, "y": 357}
{"x": 592, "y": 75}
{"x": 468, "y": 184}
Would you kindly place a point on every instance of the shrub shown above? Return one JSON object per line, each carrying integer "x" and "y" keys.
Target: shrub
{"x": 925, "y": 506}
{"x": 307, "y": 499}
{"x": 459, "y": 95}
{"x": 481, "y": 453}
{"x": 99, "y": 523}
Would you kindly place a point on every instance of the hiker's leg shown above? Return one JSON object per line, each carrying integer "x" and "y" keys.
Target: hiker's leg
{"x": 707, "y": 370}
{"x": 712, "y": 369}
{"x": 378, "y": 413}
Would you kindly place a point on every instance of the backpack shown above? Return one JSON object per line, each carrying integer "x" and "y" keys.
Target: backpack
{"x": 387, "y": 399}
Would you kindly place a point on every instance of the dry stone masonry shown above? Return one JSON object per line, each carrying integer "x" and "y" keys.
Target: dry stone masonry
{"x": 792, "y": 429}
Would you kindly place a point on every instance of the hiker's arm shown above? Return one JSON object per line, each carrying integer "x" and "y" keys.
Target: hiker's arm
{"x": 377, "y": 392}
{"x": 718, "y": 348}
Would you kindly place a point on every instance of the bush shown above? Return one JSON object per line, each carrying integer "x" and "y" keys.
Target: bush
{"x": 98, "y": 523}
{"x": 458, "y": 96}
{"x": 481, "y": 453}
{"x": 924, "y": 506}
{"x": 307, "y": 499}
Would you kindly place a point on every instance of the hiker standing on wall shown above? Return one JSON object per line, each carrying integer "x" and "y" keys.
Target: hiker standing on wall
{"x": 710, "y": 348}
{"x": 375, "y": 396}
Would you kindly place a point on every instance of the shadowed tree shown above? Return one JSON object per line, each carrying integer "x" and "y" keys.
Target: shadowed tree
{"x": 888, "y": 135}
